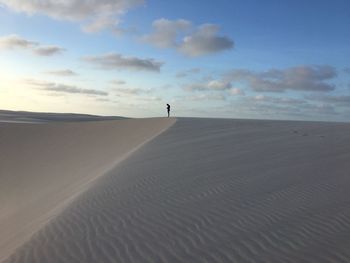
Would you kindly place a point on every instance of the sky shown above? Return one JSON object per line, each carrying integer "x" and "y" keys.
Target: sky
{"x": 272, "y": 59}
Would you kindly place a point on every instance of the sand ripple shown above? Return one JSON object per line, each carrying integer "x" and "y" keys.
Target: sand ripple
{"x": 213, "y": 191}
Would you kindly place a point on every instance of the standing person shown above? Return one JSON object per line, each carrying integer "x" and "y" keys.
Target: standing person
{"x": 168, "y": 109}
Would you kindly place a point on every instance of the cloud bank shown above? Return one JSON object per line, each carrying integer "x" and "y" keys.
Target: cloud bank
{"x": 301, "y": 78}
{"x": 338, "y": 100}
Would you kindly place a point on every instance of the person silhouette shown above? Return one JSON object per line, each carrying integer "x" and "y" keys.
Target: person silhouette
{"x": 168, "y": 109}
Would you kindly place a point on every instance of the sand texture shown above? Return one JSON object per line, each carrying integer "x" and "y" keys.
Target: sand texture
{"x": 45, "y": 166}
{"x": 209, "y": 190}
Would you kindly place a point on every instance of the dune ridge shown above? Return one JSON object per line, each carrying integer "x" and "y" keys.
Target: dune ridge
{"x": 42, "y": 117}
{"x": 43, "y": 167}
{"x": 211, "y": 190}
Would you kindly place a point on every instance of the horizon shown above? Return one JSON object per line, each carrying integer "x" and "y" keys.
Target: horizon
{"x": 236, "y": 60}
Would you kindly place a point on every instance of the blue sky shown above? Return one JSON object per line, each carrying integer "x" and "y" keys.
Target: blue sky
{"x": 233, "y": 59}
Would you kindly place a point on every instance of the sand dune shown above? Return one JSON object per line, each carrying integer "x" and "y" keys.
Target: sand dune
{"x": 40, "y": 117}
{"x": 43, "y": 167}
{"x": 213, "y": 191}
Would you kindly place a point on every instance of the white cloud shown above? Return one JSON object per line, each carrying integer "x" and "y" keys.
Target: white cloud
{"x": 131, "y": 91}
{"x": 151, "y": 98}
{"x": 95, "y": 14}
{"x": 302, "y": 78}
{"x": 62, "y": 73}
{"x": 338, "y": 100}
{"x": 277, "y": 100}
{"x": 17, "y": 42}
{"x": 48, "y": 50}
{"x": 237, "y": 91}
{"x": 206, "y": 97}
{"x": 205, "y": 41}
{"x": 117, "y": 61}
{"x": 166, "y": 32}
{"x": 187, "y": 39}
{"x": 100, "y": 24}
{"x": 117, "y": 82}
{"x": 217, "y": 85}
{"x": 63, "y": 88}
{"x": 259, "y": 97}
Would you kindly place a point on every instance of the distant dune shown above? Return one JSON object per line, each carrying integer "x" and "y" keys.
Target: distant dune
{"x": 39, "y": 117}
{"x": 203, "y": 190}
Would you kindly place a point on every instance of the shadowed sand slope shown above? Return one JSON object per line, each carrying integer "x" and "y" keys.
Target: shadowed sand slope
{"x": 213, "y": 191}
{"x": 44, "y": 166}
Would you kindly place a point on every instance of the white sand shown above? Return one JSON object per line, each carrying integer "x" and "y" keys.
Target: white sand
{"x": 213, "y": 191}
{"x": 44, "y": 166}
{"x": 40, "y": 117}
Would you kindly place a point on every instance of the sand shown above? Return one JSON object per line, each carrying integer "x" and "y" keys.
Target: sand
{"x": 209, "y": 190}
{"x": 43, "y": 167}
{"x": 43, "y": 117}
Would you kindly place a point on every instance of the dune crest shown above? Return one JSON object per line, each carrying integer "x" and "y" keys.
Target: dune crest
{"x": 45, "y": 166}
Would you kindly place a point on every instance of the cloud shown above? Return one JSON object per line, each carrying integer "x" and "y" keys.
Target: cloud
{"x": 283, "y": 111}
{"x": 206, "y": 97}
{"x": 48, "y": 50}
{"x": 187, "y": 39}
{"x": 117, "y": 61}
{"x": 100, "y": 24}
{"x": 62, "y": 73}
{"x": 301, "y": 78}
{"x": 74, "y": 89}
{"x": 237, "y": 91}
{"x": 339, "y": 100}
{"x": 347, "y": 70}
{"x": 185, "y": 73}
{"x": 117, "y": 82}
{"x": 63, "y": 88}
{"x": 283, "y": 107}
{"x": 102, "y": 100}
{"x": 217, "y": 85}
{"x": 166, "y": 32}
{"x": 17, "y": 42}
{"x": 322, "y": 109}
{"x": 277, "y": 100}
{"x": 151, "y": 98}
{"x": 129, "y": 91}
{"x": 205, "y": 41}
{"x": 94, "y": 14}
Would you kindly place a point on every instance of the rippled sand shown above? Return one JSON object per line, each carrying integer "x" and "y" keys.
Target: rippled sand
{"x": 209, "y": 190}
{"x": 43, "y": 167}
